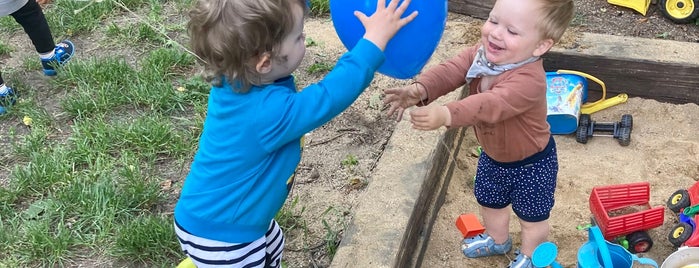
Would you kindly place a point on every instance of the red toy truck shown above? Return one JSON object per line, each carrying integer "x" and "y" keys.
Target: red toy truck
{"x": 623, "y": 214}
{"x": 686, "y": 204}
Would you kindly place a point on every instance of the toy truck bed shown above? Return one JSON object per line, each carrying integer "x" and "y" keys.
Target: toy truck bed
{"x": 605, "y": 199}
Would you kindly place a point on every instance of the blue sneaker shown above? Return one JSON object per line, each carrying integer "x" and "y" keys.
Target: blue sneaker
{"x": 483, "y": 245}
{"x": 7, "y": 100}
{"x": 62, "y": 54}
{"x": 521, "y": 261}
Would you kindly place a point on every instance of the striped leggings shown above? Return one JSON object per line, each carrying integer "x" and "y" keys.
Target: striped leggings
{"x": 265, "y": 252}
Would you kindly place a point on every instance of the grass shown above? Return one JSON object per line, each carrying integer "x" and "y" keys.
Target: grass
{"x": 92, "y": 173}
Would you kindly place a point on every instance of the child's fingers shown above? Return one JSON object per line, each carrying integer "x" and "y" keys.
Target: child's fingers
{"x": 361, "y": 16}
{"x": 392, "y": 5}
{"x": 399, "y": 113}
{"x": 408, "y": 19}
{"x": 381, "y": 4}
{"x": 403, "y": 6}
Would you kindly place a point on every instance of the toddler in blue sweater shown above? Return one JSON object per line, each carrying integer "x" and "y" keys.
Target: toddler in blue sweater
{"x": 251, "y": 141}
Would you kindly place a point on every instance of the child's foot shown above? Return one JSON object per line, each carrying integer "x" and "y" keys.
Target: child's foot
{"x": 62, "y": 54}
{"x": 521, "y": 261}
{"x": 483, "y": 245}
{"x": 6, "y": 100}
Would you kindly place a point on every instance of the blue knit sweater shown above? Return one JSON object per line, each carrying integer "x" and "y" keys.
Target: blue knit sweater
{"x": 251, "y": 145}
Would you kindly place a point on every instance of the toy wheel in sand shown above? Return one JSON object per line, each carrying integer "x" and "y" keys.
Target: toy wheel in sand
{"x": 627, "y": 121}
{"x": 639, "y": 242}
{"x": 678, "y": 201}
{"x": 581, "y": 134}
{"x": 680, "y": 11}
{"x": 680, "y": 233}
{"x": 584, "y": 120}
{"x": 624, "y": 136}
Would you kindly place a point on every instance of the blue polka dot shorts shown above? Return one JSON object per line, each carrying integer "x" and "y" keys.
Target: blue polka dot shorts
{"x": 528, "y": 185}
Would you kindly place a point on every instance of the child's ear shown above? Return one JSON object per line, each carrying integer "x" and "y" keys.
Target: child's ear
{"x": 543, "y": 47}
{"x": 264, "y": 63}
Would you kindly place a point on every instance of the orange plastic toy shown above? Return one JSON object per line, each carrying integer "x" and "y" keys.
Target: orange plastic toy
{"x": 469, "y": 225}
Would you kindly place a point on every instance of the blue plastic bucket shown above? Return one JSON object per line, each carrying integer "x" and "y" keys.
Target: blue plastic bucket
{"x": 597, "y": 252}
{"x": 565, "y": 94}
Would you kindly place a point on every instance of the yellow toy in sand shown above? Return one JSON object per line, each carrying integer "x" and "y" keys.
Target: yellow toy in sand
{"x": 602, "y": 103}
{"x": 678, "y": 11}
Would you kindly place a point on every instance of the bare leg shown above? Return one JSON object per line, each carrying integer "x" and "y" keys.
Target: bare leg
{"x": 497, "y": 223}
{"x": 533, "y": 234}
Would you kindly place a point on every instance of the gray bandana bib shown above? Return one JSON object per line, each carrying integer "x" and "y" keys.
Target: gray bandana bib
{"x": 482, "y": 67}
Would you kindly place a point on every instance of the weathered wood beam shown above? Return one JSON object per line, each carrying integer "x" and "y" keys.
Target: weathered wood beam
{"x": 478, "y": 9}
{"x": 655, "y": 69}
{"x": 667, "y": 82}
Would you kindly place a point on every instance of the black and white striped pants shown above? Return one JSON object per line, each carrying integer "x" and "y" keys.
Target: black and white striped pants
{"x": 265, "y": 252}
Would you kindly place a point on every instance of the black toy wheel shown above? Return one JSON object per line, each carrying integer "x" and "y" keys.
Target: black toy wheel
{"x": 624, "y": 136}
{"x": 584, "y": 120}
{"x": 680, "y": 233}
{"x": 678, "y": 201}
{"x": 581, "y": 134}
{"x": 639, "y": 242}
{"x": 627, "y": 121}
{"x": 680, "y": 11}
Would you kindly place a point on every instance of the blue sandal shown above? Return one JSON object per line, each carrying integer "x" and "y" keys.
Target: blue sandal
{"x": 521, "y": 261}
{"x": 483, "y": 245}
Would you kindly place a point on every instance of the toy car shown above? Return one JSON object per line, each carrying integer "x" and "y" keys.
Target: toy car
{"x": 686, "y": 204}
{"x": 619, "y": 130}
{"x": 627, "y": 228}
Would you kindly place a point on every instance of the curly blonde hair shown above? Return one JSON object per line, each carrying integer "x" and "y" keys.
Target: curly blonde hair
{"x": 229, "y": 35}
{"x": 557, "y": 15}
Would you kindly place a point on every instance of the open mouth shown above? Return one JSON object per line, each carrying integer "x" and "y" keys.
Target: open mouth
{"x": 494, "y": 47}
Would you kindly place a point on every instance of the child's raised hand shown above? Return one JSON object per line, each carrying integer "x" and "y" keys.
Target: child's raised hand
{"x": 430, "y": 117}
{"x": 401, "y": 98}
{"x": 385, "y": 22}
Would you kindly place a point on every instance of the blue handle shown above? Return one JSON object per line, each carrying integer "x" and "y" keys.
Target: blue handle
{"x": 596, "y": 236}
{"x": 645, "y": 261}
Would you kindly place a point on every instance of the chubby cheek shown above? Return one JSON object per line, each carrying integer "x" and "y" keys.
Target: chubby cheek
{"x": 484, "y": 33}
{"x": 302, "y": 54}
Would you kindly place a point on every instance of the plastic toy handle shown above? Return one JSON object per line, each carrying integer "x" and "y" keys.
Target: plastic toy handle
{"x": 588, "y": 76}
{"x": 691, "y": 211}
{"x": 646, "y": 261}
{"x": 604, "y": 104}
{"x": 596, "y": 235}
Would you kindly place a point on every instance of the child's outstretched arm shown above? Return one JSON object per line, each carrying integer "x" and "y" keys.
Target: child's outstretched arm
{"x": 401, "y": 98}
{"x": 385, "y": 22}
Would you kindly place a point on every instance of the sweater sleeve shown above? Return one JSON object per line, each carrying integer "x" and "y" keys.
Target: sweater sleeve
{"x": 512, "y": 94}
{"x": 447, "y": 76}
{"x": 300, "y": 112}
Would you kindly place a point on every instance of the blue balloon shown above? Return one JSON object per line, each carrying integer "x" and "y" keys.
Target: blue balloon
{"x": 410, "y": 48}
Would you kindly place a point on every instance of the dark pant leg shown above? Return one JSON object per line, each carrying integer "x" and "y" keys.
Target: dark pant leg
{"x": 1, "y": 81}
{"x": 32, "y": 19}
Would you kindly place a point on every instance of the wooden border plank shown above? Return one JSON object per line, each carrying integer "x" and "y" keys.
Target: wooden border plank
{"x": 478, "y": 9}
{"x": 669, "y": 82}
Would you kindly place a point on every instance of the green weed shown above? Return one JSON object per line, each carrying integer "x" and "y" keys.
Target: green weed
{"x": 320, "y": 67}
{"x": 5, "y": 49}
{"x": 320, "y": 7}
